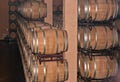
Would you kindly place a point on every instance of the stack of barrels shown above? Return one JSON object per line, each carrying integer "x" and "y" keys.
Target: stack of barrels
{"x": 97, "y": 40}
{"x": 12, "y": 18}
{"x": 36, "y": 39}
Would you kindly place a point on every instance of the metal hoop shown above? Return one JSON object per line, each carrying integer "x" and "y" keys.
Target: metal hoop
{"x": 79, "y": 37}
{"x": 107, "y": 9}
{"x": 44, "y": 35}
{"x": 96, "y": 10}
{"x": 85, "y": 38}
{"x": 45, "y": 72}
{"x": 85, "y": 9}
{"x": 113, "y": 39}
{"x": 95, "y": 67}
{"x": 89, "y": 39}
{"x": 31, "y": 10}
{"x": 79, "y": 9}
{"x": 39, "y": 10}
{"x": 108, "y": 67}
{"x": 57, "y": 45}
{"x": 66, "y": 41}
{"x": 37, "y": 42}
{"x": 85, "y": 67}
{"x": 58, "y": 71}
{"x": 66, "y": 70}
{"x": 106, "y": 46}
{"x": 96, "y": 38}
{"x": 117, "y": 9}
{"x": 88, "y": 13}
{"x": 112, "y": 8}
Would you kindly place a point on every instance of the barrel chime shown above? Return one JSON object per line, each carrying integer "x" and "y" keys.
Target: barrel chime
{"x": 41, "y": 44}
{"x": 97, "y": 40}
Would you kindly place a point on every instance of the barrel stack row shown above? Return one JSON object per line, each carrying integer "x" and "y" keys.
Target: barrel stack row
{"x": 41, "y": 44}
{"x": 12, "y": 18}
{"x": 97, "y": 40}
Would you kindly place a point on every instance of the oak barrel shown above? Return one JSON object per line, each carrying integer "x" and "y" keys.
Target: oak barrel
{"x": 12, "y": 8}
{"x": 13, "y": 26}
{"x": 54, "y": 71}
{"x": 97, "y": 37}
{"x": 50, "y": 41}
{"x": 33, "y": 9}
{"x": 12, "y": 16}
{"x": 100, "y": 67}
{"x": 98, "y": 10}
{"x": 12, "y": 35}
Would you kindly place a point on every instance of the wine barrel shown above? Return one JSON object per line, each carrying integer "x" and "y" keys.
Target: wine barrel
{"x": 100, "y": 67}
{"x": 13, "y": 26}
{"x": 50, "y": 41}
{"x": 13, "y": 35}
{"x": 33, "y": 9}
{"x": 98, "y": 10}
{"x": 13, "y": 17}
{"x": 55, "y": 71}
{"x": 12, "y": 8}
{"x": 97, "y": 37}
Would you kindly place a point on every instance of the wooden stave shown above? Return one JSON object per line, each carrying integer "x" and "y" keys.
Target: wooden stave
{"x": 87, "y": 9}
{"x": 107, "y": 73}
{"x": 87, "y": 37}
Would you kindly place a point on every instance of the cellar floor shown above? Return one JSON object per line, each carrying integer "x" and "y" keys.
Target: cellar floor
{"x": 10, "y": 63}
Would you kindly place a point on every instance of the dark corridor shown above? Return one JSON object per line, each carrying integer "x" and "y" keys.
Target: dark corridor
{"x": 10, "y": 63}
